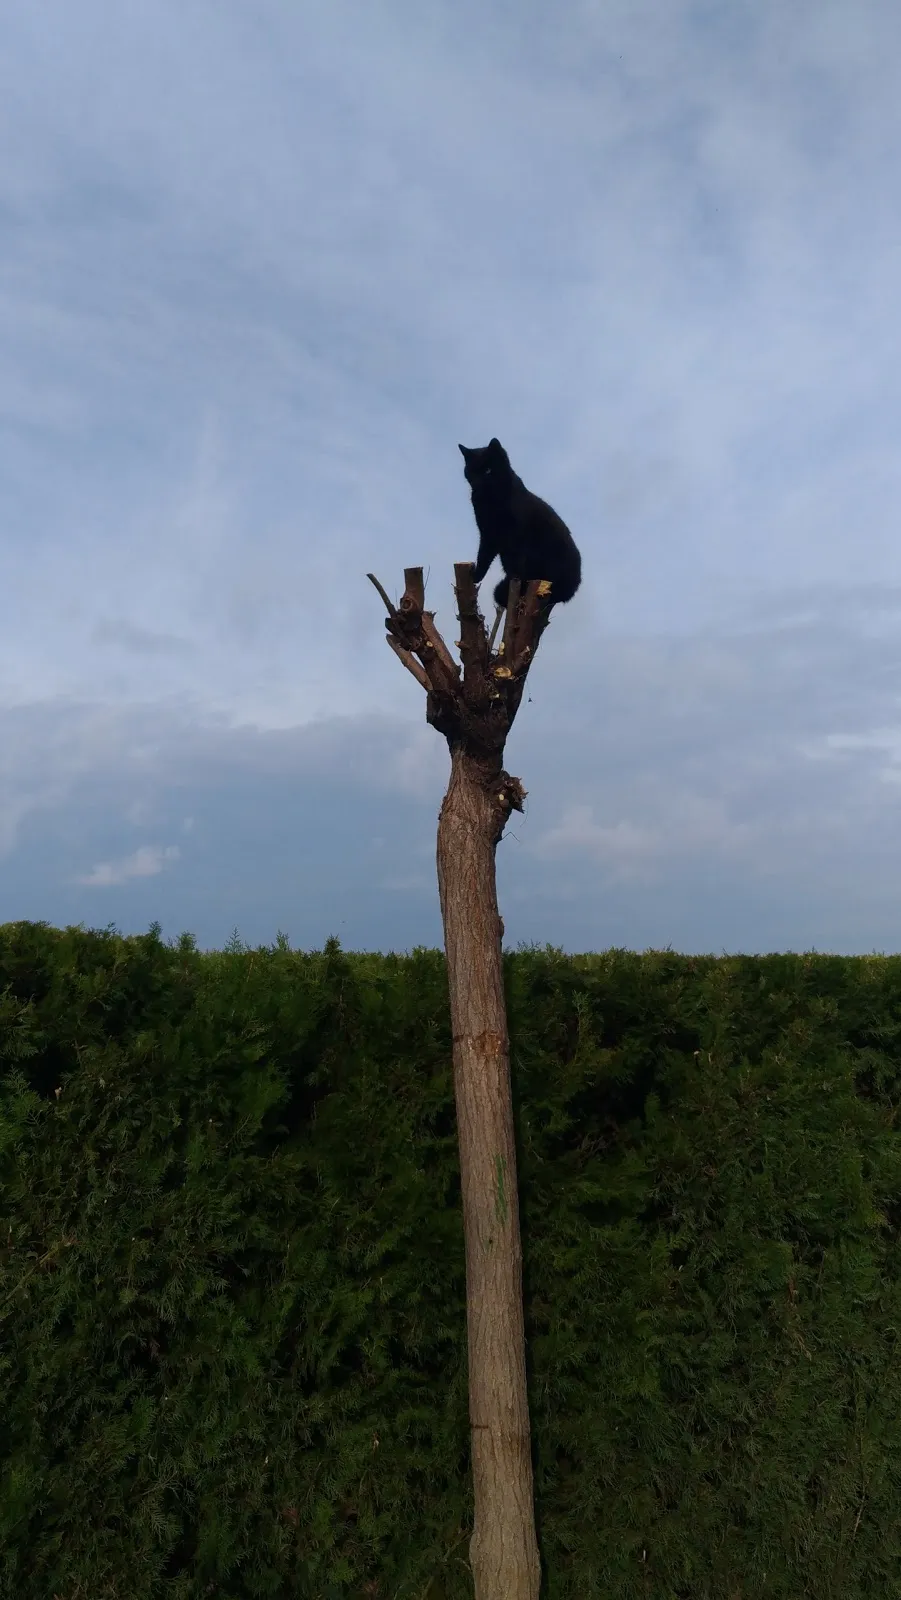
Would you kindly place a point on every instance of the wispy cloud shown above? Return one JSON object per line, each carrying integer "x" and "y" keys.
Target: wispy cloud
{"x": 146, "y": 862}
{"x": 689, "y": 824}
{"x": 118, "y": 631}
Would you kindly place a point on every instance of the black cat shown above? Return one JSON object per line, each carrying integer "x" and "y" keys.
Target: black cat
{"x": 530, "y": 538}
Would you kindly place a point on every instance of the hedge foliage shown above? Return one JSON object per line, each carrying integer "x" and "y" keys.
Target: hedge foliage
{"x": 232, "y": 1294}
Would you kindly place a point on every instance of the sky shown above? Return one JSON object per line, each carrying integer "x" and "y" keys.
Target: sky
{"x": 262, "y": 266}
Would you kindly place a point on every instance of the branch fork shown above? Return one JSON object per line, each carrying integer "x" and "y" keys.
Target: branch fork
{"x": 473, "y": 702}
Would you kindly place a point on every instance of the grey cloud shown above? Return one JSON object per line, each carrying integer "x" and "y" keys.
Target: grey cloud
{"x": 735, "y": 790}
{"x": 118, "y": 631}
{"x": 262, "y": 268}
{"x": 145, "y": 862}
{"x": 757, "y": 758}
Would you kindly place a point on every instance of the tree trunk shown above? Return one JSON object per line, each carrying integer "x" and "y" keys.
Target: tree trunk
{"x": 504, "y": 1548}
{"x": 474, "y": 710}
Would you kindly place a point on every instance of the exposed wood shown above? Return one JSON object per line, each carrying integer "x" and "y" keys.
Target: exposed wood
{"x": 499, "y": 611}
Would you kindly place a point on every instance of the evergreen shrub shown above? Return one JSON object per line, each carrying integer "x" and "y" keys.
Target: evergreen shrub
{"x": 232, "y": 1290}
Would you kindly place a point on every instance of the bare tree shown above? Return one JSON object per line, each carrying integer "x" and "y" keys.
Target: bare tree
{"x": 474, "y": 709}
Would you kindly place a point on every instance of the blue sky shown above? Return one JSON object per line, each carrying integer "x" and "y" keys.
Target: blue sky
{"x": 262, "y": 265}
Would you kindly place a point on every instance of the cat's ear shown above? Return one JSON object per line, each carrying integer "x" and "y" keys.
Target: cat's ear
{"x": 496, "y": 447}
{"x": 464, "y": 452}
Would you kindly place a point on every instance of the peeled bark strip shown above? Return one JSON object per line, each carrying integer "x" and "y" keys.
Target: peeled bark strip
{"x": 475, "y": 710}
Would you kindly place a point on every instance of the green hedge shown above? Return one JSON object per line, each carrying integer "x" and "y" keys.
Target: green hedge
{"x": 232, "y": 1296}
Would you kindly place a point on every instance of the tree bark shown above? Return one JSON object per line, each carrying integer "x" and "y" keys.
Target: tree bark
{"x": 503, "y": 1552}
{"x": 475, "y": 710}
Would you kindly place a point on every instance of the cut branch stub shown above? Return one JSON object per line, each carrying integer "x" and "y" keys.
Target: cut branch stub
{"x": 474, "y": 645}
{"x": 414, "y": 588}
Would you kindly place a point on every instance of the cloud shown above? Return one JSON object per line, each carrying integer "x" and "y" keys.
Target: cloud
{"x": 689, "y": 824}
{"x": 699, "y": 791}
{"x": 145, "y": 862}
{"x": 623, "y": 846}
{"x": 261, "y": 270}
{"x": 141, "y": 641}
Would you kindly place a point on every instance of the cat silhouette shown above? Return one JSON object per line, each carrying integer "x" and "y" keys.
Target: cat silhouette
{"x": 527, "y": 534}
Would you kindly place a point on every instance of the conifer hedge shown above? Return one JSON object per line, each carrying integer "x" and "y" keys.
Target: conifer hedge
{"x": 232, "y": 1297}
